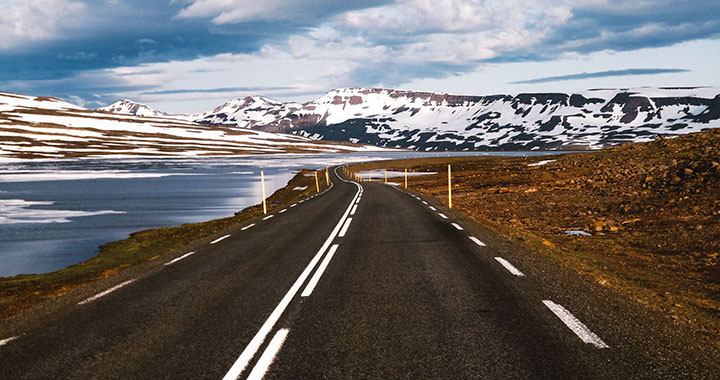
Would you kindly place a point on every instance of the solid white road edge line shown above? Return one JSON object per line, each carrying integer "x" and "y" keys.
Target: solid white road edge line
{"x": 102, "y": 294}
{"x": 249, "y": 352}
{"x": 509, "y": 267}
{"x": 179, "y": 258}
{"x": 246, "y": 227}
{"x": 344, "y": 229}
{"x": 319, "y": 272}
{"x": 219, "y": 239}
{"x": 457, "y": 226}
{"x": 268, "y": 356}
{"x": 7, "y": 340}
{"x": 442, "y": 215}
{"x": 575, "y": 325}
{"x": 268, "y": 217}
{"x": 477, "y": 241}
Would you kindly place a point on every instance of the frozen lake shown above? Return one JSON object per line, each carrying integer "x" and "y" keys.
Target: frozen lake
{"x": 57, "y": 213}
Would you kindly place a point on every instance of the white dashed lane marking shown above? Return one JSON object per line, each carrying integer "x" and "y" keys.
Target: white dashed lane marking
{"x": 457, "y": 226}
{"x": 102, "y": 294}
{"x": 582, "y": 331}
{"x": 268, "y": 217}
{"x": 179, "y": 258}
{"x": 219, "y": 239}
{"x": 442, "y": 215}
{"x": 246, "y": 227}
{"x": 509, "y": 267}
{"x": 477, "y": 241}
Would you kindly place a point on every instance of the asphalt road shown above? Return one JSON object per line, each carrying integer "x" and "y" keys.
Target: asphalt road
{"x": 361, "y": 282}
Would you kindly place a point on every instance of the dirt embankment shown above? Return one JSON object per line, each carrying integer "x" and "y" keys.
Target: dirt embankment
{"x": 23, "y": 291}
{"x": 643, "y": 219}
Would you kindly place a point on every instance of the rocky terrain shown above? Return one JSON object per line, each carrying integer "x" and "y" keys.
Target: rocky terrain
{"x": 429, "y": 121}
{"x": 643, "y": 219}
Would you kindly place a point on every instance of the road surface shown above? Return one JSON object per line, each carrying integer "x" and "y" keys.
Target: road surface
{"x": 364, "y": 281}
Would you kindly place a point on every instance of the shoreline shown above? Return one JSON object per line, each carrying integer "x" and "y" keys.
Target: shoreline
{"x": 23, "y": 291}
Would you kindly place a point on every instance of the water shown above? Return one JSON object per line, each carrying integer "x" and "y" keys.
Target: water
{"x": 57, "y": 213}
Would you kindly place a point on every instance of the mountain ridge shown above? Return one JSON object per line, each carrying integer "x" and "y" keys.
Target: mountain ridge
{"x": 429, "y": 121}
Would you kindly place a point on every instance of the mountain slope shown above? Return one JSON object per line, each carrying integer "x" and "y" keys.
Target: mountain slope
{"x": 430, "y": 121}
{"x": 39, "y": 127}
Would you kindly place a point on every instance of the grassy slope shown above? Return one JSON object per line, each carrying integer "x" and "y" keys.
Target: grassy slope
{"x": 653, "y": 211}
{"x": 23, "y": 291}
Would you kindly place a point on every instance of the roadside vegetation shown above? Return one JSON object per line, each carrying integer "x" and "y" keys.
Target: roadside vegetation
{"x": 23, "y": 291}
{"x": 642, "y": 219}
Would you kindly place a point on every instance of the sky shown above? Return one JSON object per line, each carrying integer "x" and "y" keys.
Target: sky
{"x": 183, "y": 56}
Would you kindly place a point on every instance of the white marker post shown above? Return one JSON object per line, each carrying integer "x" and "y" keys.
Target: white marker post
{"x": 406, "y": 179}
{"x": 262, "y": 185}
{"x": 449, "y": 187}
{"x": 317, "y": 184}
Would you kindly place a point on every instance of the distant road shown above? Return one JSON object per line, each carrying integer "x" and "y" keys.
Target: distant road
{"x": 361, "y": 282}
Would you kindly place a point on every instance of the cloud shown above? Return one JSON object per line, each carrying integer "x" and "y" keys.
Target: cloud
{"x": 601, "y": 74}
{"x": 237, "y": 11}
{"x": 37, "y": 20}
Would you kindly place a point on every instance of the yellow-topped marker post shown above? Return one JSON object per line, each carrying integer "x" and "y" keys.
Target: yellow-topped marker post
{"x": 449, "y": 187}
{"x": 317, "y": 184}
{"x": 406, "y": 178}
{"x": 262, "y": 185}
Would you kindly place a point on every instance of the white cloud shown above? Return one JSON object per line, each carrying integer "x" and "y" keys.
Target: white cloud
{"x": 234, "y": 11}
{"x": 36, "y": 20}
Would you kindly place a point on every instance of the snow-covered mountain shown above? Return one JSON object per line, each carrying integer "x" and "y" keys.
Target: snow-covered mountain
{"x": 431, "y": 121}
{"x": 41, "y": 127}
{"x": 128, "y": 107}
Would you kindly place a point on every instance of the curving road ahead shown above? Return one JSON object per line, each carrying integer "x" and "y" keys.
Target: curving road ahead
{"x": 360, "y": 282}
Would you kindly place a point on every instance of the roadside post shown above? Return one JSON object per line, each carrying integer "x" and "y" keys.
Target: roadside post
{"x": 327, "y": 177}
{"x": 262, "y": 185}
{"x": 449, "y": 187}
{"x": 317, "y": 184}
{"x": 406, "y": 179}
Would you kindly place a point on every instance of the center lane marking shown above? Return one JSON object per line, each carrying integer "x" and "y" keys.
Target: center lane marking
{"x": 319, "y": 272}
{"x": 344, "y": 229}
{"x": 251, "y": 349}
{"x": 269, "y": 355}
